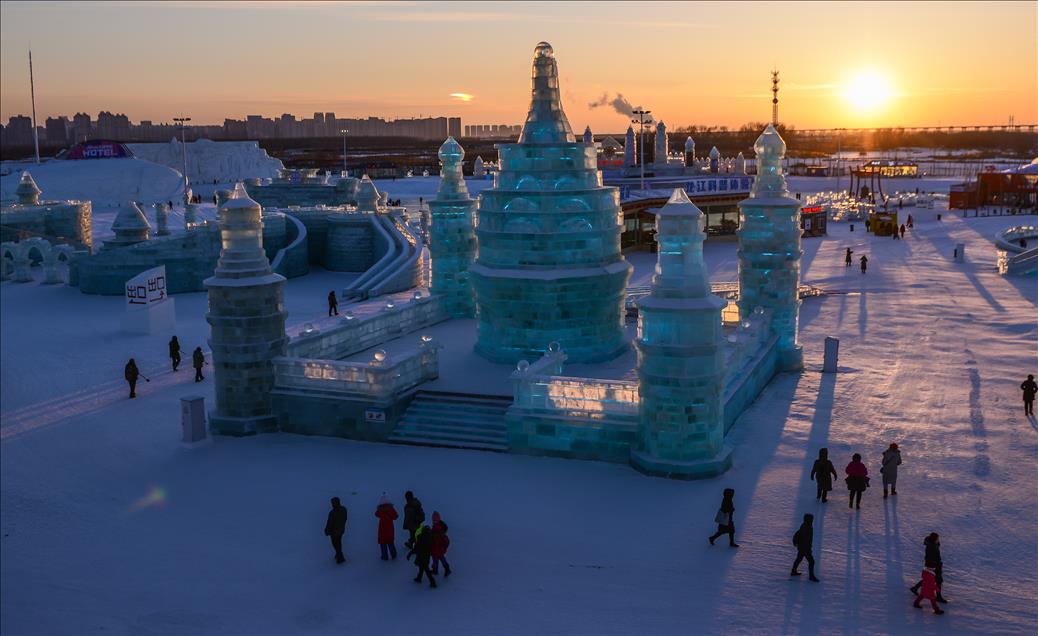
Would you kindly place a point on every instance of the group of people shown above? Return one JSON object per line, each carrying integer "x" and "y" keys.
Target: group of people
{"x": 864, "y": 260}
{"x": 426, "y": 543}
{"x": 132, "y": 373}
{"x": 857, "y": 479}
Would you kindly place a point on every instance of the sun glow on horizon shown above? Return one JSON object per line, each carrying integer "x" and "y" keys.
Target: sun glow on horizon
{"x": 868, "y": 91}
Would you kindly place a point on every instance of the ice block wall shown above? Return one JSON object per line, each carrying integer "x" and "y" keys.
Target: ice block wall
{"x": 549, "y": 266}
{"x": 769, "y": 248}
{"x": 452, "y": 237}
{"x": 680, "y": 355}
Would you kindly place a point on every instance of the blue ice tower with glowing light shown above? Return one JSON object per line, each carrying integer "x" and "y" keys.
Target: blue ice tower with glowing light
{"x": 549, "y": 266}
{"x": 680, "y": 355}
{"x": 769, "y": 249}
{"x": 452, "y": 238}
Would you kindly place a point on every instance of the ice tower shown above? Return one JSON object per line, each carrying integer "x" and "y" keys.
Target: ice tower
{"x": 662, "y": 150}
{"x": 549, "y": 266}
{"x": 629, "y": 148}
{"x": 247, "y": 321}
{"x": 452, "y": 239}
{"x": 680, "y": 355}
{"x": 28, "y": 192}
{"x": 769, "y": 248}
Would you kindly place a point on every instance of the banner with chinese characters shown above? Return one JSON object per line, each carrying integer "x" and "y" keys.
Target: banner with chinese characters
{"x": 146, "y": 288}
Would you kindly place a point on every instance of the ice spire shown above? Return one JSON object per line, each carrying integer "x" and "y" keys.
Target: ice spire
{"x": 546, "y": 123}
{"x": 452, "y": 180}
{"x": 770, "y": 149}
{"x": 588, "y": 137}
{"x": 629, "y": 147}
{"x": 367, "y": 196}
{"x": 27, "y": 191}
{"x": 661, "y": 143}
{"x": 715, "y": 160}
{"x": 690, "y": 152}
{"x": 740, "y": 163}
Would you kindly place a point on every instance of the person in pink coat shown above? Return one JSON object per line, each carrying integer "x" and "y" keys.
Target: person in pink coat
{"x": 386, "y": 534}
{"x": 857, "y": 479}
{"x": 928, "y": 590}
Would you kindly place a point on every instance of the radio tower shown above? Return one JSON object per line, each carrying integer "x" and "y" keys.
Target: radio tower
{"x": 774, "y": 97}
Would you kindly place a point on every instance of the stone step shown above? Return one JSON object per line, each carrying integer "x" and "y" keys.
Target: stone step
{"x": 455, "y": 421}
{"x": 443, "y": 409}
{"x": 440, "y": 443}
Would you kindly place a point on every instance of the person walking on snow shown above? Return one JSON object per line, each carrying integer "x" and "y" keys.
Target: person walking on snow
{"x": 386, "y": 533}
{"x": 725, "y": 519}
{"x": 864, "y": 263}
{"x": 902, "y": 230}
{"x": 891, "y": 460}
{"x": 803, "y": 540}
{"x": 335, "y": 527}
{"x": 131, "y": 374}
{"x": 174, "y": 352}
{"x": 198, "y": 361}
{"x": 928, "y": 591}
{"x": 333, "y": 304}
{"x": 422, "y": 552}
{"x": 932, "y": 559}
{"x": 857, "y": 479}
{"x": 439, "y": 545}
{"x": 847, "y": 257}
{"x": 413, "y": 518}
{"x": 910, "y": 223}
{"x": 822, "y": 473}
{"x": 1030, "y": 388}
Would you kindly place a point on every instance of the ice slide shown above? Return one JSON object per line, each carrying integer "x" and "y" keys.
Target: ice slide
{"x": 1014, "y": 257}
{"x": 398, "y": 269}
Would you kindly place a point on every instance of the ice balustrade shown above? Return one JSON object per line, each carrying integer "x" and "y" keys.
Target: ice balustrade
{"x": 356, "y": 333}
{"x": 383, "y": 377}
{"x": 743, "y": 341}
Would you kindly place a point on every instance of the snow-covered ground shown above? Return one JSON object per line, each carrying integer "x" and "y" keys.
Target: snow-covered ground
{"x": 106, "y": 183}
{"x": 110, "y": 526}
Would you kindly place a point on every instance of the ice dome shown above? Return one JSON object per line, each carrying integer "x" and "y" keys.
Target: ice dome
{"x": 239, "y": 199}
{"x": 451, "y": 151}
{"x": 543, "y": 49}
{"x": 27, "y": 191}
{"x": 770, "y": 149}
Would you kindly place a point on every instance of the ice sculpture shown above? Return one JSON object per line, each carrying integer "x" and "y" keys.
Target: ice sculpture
{"x": 740, "y": 163}
{"x": 769, "y": 248}
{"x": 28, "y": 192}
{"x": 661, "y": 144}
{"x": 629, "y": 148}
{"x": 549, "y": 265}
{"x": 478, "y": 169}
{"x": 680, "y": 354}
{"x": 589, "y": 138}
{"x": 690, "y": 153}
{"x": 161, "y": 219}
{"x": 452, "y": 238}
{"x": 715, "y": 160}
{"x": 130, "y": 227}
{"x": 247, "y": 321}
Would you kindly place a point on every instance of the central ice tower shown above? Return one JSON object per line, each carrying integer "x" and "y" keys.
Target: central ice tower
{"x": 549, "y": 265}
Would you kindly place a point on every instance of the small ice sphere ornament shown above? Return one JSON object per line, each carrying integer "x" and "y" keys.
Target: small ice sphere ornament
{"x": 348, "y": 315}
{"x": 390, "y": 304}
{"x": 522, "y": 366}
{"x": 380, "y": 355}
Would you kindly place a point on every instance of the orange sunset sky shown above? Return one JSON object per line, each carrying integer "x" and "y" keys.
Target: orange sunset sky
{"x": 842, "y": 64}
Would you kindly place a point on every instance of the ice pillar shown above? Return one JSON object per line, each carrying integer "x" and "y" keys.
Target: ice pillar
{"x": 740, "y": 164}
{"x": 629, "y": 148}
{"x": 715, "y": 160}
{"x": 680, "y": 355}
{"x": 690, "y": 153}
{"x": 161, "y": 219}
{"x": 661, "y": 144}
{"x": 589, "y": 139}
{"x": 769, "y": 248}
{"x": 247, "y": 322}
{"x": 452, "y": 238}
{"x": 549, "y": 266}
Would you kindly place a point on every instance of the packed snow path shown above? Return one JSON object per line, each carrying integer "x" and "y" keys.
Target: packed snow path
{"x": 109, "y": 526}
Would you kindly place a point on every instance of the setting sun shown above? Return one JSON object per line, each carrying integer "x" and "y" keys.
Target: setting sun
{"x": 868, "y": 91}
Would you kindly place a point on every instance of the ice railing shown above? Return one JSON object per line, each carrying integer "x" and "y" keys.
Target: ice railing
{"x": 743, "y": 341}
{"x": 539, "y": 386}
{"x": 356, "y": 333}
{"x": 383, "y": 377}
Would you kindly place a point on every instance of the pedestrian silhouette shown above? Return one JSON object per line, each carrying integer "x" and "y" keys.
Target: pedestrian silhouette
{"x": 822, "y": 472}
{"x": 725, "y": 519}
{"x": 335, "y": 527}
{"x": 803, "y": 539}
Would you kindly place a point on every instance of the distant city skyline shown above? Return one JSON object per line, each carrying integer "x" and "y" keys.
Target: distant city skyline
{"x": 846, "y": 64}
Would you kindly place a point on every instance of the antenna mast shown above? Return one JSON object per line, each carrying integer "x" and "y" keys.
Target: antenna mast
{"x": 774, "y": 97}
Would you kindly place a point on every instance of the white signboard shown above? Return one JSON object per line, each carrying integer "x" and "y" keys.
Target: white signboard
{"x": 375, "y": 416}
{"x": 146, "y": 288}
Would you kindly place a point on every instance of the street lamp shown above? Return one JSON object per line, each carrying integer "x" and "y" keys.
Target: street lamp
{"x": 345, "y": 170}
{"x": 182, "y": 122}
{"x": 641, "y": 144}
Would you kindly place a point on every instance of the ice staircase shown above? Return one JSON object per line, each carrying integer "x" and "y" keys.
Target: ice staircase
{"x": 454, "y": 420}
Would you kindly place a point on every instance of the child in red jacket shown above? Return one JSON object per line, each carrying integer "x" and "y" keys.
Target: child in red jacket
{"x": 928, "y": 591}
{"x": 440, "y": 542}
{"x": 386, "y": 516}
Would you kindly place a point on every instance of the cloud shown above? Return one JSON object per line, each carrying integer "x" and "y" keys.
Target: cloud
{"x": 462, "y": 97}
{"x": 619, "y": 103}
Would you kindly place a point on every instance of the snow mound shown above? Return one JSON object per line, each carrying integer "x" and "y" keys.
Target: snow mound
{"x": 213, "y": 161}
{"x": 103, "y": 182}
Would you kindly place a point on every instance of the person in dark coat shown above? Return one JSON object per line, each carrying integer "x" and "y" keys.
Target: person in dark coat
{"x": 198, "y": 360}
{"x": 822, "y": 473}
{"x": 440, "y": 543}
{"x": 911, "y": 223}
{"x": 902, "y": 230}
{"x": 847, "y": 257}
{"x": 864, "y": 263}
{"x": 725, "y": 519}
{"x": 1030, "y": 388}
{"x": 932, "y": 559}
{"x": 422, "y": 552}
{"x": 413, "y": 518}
{"x": 335, "y": 527}
{"x": 131, "y": 374}
{"x": 386, "y": 533}
{"x": 174, "y": 352}
{"x": 803, "y": 539}
{"x": 857, "y": 479}
{"x": 891, "y": 460}
{"x": 333, "y": 303}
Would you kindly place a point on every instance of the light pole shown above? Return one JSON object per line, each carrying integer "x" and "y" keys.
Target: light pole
{"x": 182, "y": 121}
{"x": 345, "y": 170}
{"x": 641, "y": 143}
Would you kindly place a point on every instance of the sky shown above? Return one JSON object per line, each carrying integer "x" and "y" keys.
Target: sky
{"x": 698, "y": 63}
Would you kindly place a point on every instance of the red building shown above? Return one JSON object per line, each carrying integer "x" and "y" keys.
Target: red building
{"x": 1015, "y": 188}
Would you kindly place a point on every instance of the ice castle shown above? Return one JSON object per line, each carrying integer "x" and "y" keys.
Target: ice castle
{"x": 549, "y": 267}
